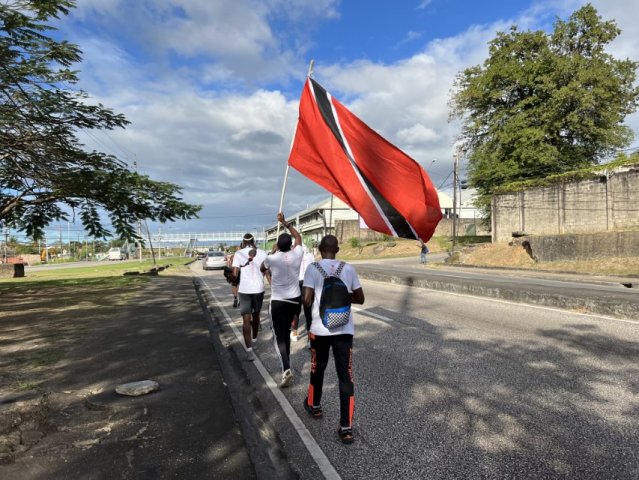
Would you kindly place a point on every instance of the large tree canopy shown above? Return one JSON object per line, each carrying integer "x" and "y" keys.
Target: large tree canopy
{"x": 44, "y": 170}
{"x": 544, "y": 104}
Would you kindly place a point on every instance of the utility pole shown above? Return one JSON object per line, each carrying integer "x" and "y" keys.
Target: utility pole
{"x": 6, "y": 240}
{"x": 330, "y": 221}
{"x": 455, "y": 180}
{"x": 139, "y": 241}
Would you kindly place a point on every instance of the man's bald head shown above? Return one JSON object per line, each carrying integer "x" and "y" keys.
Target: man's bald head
{"x": 329, "y": 246}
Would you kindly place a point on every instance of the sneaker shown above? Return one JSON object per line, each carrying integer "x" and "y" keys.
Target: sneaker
{"x": 315, "y": 412}
{"x": 250, "y": 355}
{"x": 345, "y": 435}
{"x": 235, "y": 303}
{"x": 294, "y": 336}
{"x": 287, "y": 378}
{"x": 253, "y": 340}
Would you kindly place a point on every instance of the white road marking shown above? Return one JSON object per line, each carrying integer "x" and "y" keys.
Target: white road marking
{"x": 322, "y": 461}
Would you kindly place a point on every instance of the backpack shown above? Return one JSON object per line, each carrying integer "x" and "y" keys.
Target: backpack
{"x": 335, "y": 299}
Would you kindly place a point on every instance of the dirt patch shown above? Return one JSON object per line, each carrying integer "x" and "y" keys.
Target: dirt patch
{"x": 386, "y": 249}
{"x": 496, "y": 255}
{"x": 61, "y": 346}
{"x": 515, "y": 256}
{"x": 43, "y": 333}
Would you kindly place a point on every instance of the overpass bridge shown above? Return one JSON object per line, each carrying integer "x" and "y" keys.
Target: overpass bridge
{"x": 200, "y": 241}
{"x": 202, "y": 238}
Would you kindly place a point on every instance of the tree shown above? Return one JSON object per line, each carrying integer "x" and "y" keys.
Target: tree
{"x": 544, "y": 104}
{"x": 44, "y": 170}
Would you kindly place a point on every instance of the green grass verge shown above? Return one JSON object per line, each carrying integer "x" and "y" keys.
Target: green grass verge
{"x": 107, "y": 275}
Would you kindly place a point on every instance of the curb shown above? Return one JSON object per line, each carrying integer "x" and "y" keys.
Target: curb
{"x": 611, "y": 306}
{"x": 266, "y": 452}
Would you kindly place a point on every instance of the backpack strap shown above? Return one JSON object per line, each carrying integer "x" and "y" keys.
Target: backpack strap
{"x": 320, "y": 269}
{"x": 338, "y": 272}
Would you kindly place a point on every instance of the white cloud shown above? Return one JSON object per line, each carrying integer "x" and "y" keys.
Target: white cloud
{"x": 417, "y": 134}
{"x": 228, "y": 148}
{"x": 423, "y": 4}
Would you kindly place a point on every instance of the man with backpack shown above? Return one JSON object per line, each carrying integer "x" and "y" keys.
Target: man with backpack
{"x": 331, "y": 286}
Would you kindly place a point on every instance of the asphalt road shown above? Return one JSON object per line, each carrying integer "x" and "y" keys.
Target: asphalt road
{"x": 452, "y": 386}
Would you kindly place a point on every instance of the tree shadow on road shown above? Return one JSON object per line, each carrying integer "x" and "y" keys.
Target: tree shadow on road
{"x": 560, "y": 405}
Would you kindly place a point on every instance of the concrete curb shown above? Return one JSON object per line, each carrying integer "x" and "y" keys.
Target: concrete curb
{"x": 585, "y": 303}
{"x": 263, "y": 446}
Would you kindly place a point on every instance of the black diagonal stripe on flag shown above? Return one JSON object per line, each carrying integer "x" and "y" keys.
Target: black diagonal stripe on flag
{"x": 398, "y": 222}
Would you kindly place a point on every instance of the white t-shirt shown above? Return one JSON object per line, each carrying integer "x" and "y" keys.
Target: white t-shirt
{"x": 307, "y": 259}
{"x": 251, "y": 279}
{"x": 315, "y": 280}
{"x": 285, "y": 267}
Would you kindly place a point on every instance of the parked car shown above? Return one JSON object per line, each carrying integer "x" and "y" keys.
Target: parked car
{"x": 214, "y": 260}
{"x": 116, "y": 253}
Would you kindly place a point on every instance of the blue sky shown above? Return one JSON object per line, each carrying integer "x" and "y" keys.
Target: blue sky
{"x": 211, "y": 86}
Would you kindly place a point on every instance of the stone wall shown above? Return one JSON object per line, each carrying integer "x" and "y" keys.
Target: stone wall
{"x": 607, "y": 203}
{"x": 550, "y": 248}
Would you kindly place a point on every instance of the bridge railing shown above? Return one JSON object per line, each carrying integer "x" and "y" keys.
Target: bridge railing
{"x": 203, "y": 237}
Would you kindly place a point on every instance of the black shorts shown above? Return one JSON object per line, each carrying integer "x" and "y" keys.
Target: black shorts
{"x": 250, "y": 303}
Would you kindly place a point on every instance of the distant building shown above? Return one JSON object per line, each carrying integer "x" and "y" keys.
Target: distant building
{"x": 321, "y": 218}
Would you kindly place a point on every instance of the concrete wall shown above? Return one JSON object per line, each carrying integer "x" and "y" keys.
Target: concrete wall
{"x": 550, "y": 248}
{"x": 347, "y": 229}
{"x": 608, "y": 203}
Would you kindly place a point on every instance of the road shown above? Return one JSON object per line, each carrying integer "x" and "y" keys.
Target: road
{"x": 452, "y": 386}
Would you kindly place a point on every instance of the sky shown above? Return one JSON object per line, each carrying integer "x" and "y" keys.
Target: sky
{"x": 211, "y": 87}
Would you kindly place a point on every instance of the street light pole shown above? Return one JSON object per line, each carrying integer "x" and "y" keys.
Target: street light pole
{"x": 455, "y": 174}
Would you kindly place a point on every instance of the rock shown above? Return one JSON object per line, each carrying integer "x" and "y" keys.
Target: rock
{"x": 9, "y": 420}
{"x": 31, "y": 437}
{"x": 135, "y": 389}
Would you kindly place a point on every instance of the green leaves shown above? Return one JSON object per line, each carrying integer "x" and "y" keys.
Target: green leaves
{"x": 42, "y": 163}
{"x": 544, "y": 104}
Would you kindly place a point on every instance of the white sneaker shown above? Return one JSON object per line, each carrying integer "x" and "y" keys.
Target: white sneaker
{"x": 250, "y": 355}
{"x": 253, "y": 340}
{"x": 287, "y": 378}
{"x": 294, "y": 336}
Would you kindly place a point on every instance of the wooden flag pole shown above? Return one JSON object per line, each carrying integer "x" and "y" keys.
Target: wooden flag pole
{"x": 308, "y": 75}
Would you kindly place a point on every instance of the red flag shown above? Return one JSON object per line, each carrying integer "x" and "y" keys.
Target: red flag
{"x": 335, "y": 149}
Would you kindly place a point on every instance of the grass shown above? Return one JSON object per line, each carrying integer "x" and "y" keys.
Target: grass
{"x": 24, "y": 386}
{"x": 108, "y": 275}
{"x": 49, "y": 356}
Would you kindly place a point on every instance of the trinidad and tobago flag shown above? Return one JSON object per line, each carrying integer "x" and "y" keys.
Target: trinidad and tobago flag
{"x": 335, "y": 149}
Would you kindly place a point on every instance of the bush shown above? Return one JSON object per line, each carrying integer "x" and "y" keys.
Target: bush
{"x": 354, "y": 242}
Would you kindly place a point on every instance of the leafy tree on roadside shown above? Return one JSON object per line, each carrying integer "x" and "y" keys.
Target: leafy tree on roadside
{"x": 544, "y": 104}
{"x": 43, "y": 166}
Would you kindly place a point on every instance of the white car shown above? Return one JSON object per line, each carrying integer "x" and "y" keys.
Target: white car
{"x": 116, "y": 253}
{"x": 214, "y": 260}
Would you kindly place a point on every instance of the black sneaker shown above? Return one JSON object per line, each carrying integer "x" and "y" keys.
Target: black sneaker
{"x": 315, "y": 412}
{"x": 345, "y": 435}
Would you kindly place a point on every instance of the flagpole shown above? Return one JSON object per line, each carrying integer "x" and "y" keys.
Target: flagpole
{"x": 309, "y": 74}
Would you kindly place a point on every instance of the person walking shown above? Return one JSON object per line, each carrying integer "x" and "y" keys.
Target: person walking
{"x": 343, "y": 282}
{"x": 284, "y": 266}
{"x": 307, "y": 259}
{"x": 424, "y": 251}
{"x": 248, "y": 260}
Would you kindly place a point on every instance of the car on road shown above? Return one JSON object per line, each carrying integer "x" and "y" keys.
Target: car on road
{"x": 116, "y": 253}
{"x": 214, "y": 260}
